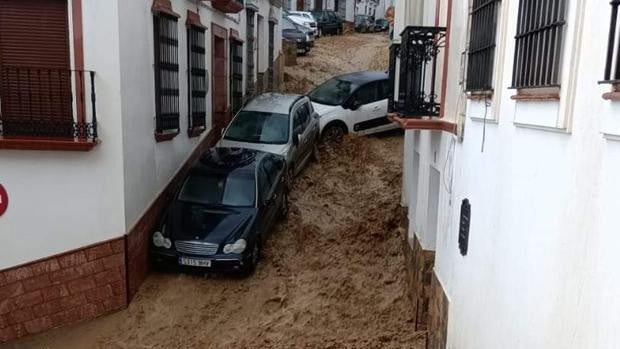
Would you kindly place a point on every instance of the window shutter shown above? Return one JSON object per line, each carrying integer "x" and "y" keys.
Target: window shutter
{"x": 35, "y": 76}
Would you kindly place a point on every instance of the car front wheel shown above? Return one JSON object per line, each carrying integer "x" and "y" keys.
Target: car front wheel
{"x": 250, "y": 266}
{"x": 333, "y": 134}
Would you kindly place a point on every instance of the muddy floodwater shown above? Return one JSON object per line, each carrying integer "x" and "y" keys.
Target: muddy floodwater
{"x": 332, "y": 274}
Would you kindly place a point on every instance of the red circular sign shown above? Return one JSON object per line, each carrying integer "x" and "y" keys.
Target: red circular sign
{"x": 4, "y": 200}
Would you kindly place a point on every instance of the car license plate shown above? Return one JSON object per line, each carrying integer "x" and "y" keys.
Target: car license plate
{"x": 192, "y": 262}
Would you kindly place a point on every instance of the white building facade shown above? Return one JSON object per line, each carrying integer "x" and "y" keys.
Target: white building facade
{"x": 92, "y": 149}
{"x": 510, "y": 189}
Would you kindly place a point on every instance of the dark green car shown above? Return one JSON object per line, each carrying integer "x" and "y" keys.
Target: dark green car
{"x": 328, "y": 22}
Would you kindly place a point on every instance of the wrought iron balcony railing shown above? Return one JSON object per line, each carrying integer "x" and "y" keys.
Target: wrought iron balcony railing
{"x": 413, "y": 72}
{"x": 612, "y": 69}
{"x": 47, "y": 103}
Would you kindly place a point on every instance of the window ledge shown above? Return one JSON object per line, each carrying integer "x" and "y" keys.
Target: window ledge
{"x": 536, "y": 97}
{"x": 542, "y": 128}
{"x": 614, "y": 95}
{"x": 611, "y": 96}
{"x": 195, "y": 132}
{"x": 47, "y": 144}
{"x": 480, "y": 95}
{"x": 164, "y": 137}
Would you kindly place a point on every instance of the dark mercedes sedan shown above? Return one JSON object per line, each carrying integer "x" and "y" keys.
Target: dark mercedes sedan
{"x": 222, "y": 212}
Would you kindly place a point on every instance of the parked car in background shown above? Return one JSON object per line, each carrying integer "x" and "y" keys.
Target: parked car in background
{"x": 328, "y": 22}
{"x": 226, "y": 206}
{"x": 307, "y": 18}
{"x": 382, "y": 25}
{"x": 295, "y": 35}
{"x": 287, "y": 23}
{"x": 363, "y": 24}
{"x": 286, "y": 125}
{"x": 352, "y": 103}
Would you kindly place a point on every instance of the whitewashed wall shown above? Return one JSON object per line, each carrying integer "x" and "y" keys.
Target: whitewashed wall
{"x": 61, "y": 200}
{"x": 541, "y": 271}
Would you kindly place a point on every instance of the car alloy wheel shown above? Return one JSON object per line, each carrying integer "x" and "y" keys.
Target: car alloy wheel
{"x": 333, "y": 134}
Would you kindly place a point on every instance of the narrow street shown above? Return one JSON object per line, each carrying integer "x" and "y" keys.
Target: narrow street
{"x": 332, "y": 274}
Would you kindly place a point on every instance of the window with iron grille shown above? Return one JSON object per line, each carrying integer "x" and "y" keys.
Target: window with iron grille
{"x": 251, "y": 15}
{"x": 482, "y": 38}
{"x": 166, "y": 73}
{"x": 270, "y": 73}
{"x": 236, "y": 75}
{"x": 538, "y": 51}
{"x": 197, "y": 77}
{"x": 612, "y": 67}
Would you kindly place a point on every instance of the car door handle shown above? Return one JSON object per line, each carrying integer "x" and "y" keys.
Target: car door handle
{"x": 376, "y": 108}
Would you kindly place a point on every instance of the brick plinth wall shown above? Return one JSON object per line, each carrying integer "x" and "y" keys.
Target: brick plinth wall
{"x": 63, "y": 289}
{"x": 438, "y": 313}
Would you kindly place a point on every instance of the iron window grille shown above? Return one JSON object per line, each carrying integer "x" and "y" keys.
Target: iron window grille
{"x": 538, "y": 51}
{"x": 197, "y": 78}
{"x": 236, "y": 75}
{"x": 166, "y": 73}
{"x": 251, "y": 15}
{"x": 270, "y": 73}
{"x": 413, "y": 69}
{"x": 48, "y": 103}
{"x": 612, "y": 70}
{"x": 481, "y": 54}
{"x": 394, "y": 53}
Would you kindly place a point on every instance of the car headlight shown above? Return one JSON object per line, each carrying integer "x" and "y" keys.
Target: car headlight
{"x": 298, "y": 40}
{"x": 237, "y": 247}
{"x": 159, "y": 240}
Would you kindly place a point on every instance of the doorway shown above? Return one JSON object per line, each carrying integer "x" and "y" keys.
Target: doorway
{"x": 219, "y": 76}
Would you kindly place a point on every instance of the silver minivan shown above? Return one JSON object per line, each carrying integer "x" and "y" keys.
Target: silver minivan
{"x": 277, "y": 123}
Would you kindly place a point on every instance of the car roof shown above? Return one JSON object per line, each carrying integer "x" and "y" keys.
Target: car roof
{"x": 229, "y": 160}
{"x": 363, "y": 77}
{"x": 272, "y": 102}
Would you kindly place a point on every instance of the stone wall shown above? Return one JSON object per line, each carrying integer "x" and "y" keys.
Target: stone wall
{"x": 419, "y": 269}
{"x": 438, "y": 313}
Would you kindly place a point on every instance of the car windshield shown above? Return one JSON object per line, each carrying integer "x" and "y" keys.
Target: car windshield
{"x": 333, "y": 92}
{"x": 287, "y": 24}
{"x": 219, "y": 189}
{"x": 259, "y": 127}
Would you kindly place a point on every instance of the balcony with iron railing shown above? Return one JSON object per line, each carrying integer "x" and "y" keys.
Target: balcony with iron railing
{"x": 47, "y": 109}
{"x": 228, "y": 6}
{"x": 414, "y": 101}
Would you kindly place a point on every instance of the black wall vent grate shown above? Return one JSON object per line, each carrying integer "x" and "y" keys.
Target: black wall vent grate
{"x": 464, "y": 227}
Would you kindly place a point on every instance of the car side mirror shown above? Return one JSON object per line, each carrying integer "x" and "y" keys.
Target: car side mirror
{"x": 354, "y": 104}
